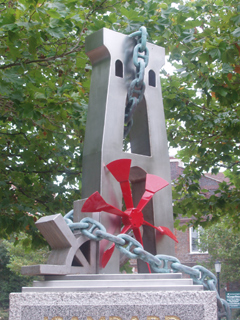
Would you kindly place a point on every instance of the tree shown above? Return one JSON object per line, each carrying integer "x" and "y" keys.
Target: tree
{"x": 44, "y": 86}
{"x": 21, "y": 254}
{"x": 10, "y": 281}
{"x": 223, "y": 245}
{"x": 43, "y": 98}
{"x": 12, "y": 258}
{"x": 202, "y": 106}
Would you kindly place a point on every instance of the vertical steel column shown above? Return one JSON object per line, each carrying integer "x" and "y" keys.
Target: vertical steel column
{"x": 107, "y": 50}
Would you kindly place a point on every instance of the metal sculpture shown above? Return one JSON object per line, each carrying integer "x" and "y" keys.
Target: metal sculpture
{"x": 132, "y": 218}
{"x": 125, "y": 94}
{"x": 113, "y": 70}
{"x": 113, "y": 103}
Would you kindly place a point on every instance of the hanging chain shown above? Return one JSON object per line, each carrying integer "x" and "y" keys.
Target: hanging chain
{"x": 137, "y": 86}
{"x": 160, "y": 263}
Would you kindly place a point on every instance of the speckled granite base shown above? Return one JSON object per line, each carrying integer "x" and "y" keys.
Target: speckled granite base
{"x": 184, "y": 305}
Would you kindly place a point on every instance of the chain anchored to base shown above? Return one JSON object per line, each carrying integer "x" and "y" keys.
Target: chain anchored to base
{"x": 159, "y": 263}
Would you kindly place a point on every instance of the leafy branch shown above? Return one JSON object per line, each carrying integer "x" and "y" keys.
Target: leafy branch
{"x": 74, "y": 49}
{"x": 229, "y": 166}
{"x": 51, "y": 170}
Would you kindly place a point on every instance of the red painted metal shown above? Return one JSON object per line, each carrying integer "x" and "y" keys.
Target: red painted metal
{"x": 96, "y": 203}
{"x": 127, "y": 194}
{"x": 120, "y": 169}
{"x": 162, "y": 230}
{"x": 132, "y": 218}
{"x": 147, "y": 196}
{"x": 155, "y": 183}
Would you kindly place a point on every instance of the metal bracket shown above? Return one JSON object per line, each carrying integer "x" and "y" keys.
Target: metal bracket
{"x": 67, "y": 256}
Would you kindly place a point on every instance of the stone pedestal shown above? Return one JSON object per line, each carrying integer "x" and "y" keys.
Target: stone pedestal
{"x": 146, "y": 297}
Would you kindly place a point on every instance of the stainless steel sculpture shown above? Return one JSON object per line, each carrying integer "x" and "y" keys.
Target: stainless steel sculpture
{"x": 113, "y": 70}
{"x": 104, "y": 136}
{"x": 72, "y": 251}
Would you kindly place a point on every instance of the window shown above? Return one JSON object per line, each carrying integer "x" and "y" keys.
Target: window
{"x": 194, "y": 235}
{"x": 152, "y": 78}
{"x": 119, "y": 69}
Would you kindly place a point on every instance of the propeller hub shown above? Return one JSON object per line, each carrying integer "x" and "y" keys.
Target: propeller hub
{"x": 135, "y": 218}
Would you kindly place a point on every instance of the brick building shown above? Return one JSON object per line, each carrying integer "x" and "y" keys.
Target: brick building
{"x": 187, "y": 250}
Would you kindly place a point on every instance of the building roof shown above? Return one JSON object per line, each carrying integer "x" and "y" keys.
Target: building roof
{"x": 208, "y": 181}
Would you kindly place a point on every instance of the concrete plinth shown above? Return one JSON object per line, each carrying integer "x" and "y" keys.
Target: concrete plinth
{"x": 103, "y": 303}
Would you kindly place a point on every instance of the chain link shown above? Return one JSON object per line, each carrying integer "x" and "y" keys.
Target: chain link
{"x": 130, "y": 243}
{"x": 74, "y": 225}
{"x": 137, "y": 86}
{"x": 185, "y": 269}
{"x": 93, "y": 226}
{"x": 166, "y": 263}
{"x": 110, "y": 237}
{"x": 204, "y": 274}
{"x": 147, "y": 257}
{"x": 160, "y": 263}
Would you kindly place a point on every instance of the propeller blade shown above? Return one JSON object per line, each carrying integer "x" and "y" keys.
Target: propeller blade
{"x": 153, "y": 184}
{"x": 96, "y": 203}
{"x": 169, "y": 233}
{"x": 108, "y": 253}
{"x": 127, "y": 194}
{"x": 120, "y": 169}
{"x": 162, "y": 230}
{"x": 147, "y": 196}
{"x": 138, "y": 237}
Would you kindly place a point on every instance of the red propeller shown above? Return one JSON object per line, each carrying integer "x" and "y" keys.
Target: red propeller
{"x": 132, "y": 218}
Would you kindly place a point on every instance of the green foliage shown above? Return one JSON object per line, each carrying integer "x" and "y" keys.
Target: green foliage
{"x": 20, "y": 254}
{"x": 44, "y": 87}
{"x": 10, "y": 282}
{"x": 43, "y": 103}
{"x": 224, "y": 245}
{"x": 202, "y": 105}
{"x": 14, "y": 255}
{"x": 126, "y": 268}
